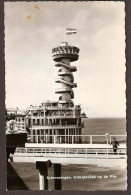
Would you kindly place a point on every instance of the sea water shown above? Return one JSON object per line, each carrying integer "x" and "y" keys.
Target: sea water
{"x": 102, "y": 126}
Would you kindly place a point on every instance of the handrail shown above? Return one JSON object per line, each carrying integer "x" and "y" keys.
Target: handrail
{"x": 50, "y": 107}
{"x": 59, "y": 115}
{"x": 81, "y": 135}
{"x": 71, "y": 138}
{"x": 51, "y": 126}
{"x": 69, "y": 152}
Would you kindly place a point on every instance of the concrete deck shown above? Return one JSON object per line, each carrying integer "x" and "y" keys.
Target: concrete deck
{"x": 92, "y": 146}
{"x": 121, "y": 163}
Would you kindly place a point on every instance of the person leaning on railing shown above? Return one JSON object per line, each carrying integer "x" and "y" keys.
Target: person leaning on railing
{"x": 115, "y": 144}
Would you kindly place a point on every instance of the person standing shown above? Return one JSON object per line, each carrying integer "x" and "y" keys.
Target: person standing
{"x": 115, "y": 144}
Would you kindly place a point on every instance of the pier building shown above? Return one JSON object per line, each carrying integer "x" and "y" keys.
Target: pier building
{"x": 16, "y": 134}
{"x": 15, "y": 120}
{"x": 61, "y": 118}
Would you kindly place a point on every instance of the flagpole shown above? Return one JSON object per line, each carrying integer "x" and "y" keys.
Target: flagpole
{"x": 69, "y": 31}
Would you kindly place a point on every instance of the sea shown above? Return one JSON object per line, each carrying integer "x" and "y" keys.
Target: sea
{"x": 101, "y": 126}
{"x": 25, "y": 176}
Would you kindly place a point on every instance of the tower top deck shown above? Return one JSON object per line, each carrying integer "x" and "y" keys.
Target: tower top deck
{"x": 65, "y": 51}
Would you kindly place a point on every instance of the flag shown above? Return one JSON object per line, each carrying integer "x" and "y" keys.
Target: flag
{"x": 70, "y": 31}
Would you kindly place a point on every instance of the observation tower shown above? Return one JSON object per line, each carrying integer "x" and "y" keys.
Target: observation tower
{"x": 63, "y": 55}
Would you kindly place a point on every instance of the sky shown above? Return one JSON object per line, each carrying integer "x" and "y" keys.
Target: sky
{"x": 32, "y": 29}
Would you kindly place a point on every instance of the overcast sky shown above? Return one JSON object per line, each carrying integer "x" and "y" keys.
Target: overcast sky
{"x": 32, "y": 29}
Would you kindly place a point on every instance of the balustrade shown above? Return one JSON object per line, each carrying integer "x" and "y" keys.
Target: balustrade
{"x": 89, "y": 139}
{"x": 65, "y": 49}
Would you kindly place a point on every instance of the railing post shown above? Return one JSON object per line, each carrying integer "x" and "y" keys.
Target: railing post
{"x": 65, "y": 152}
{"x": 86, "y": 153}
{"x": 45, "y": 152}
{"x": 57, "y": 173}
{"x": 107, "y": 136}
{"x": 37, "y": 139}
{"x": 110, "y": 139}
{"x": 26, "y": 151}
{"x": 72, "y": 139}
{"x": 60, "y": 140}
{"x": 90, "y": 139}
{"x": 54, "y": 139}
{"x": 46, "y": 138}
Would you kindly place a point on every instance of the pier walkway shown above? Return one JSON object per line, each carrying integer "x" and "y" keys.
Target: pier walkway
{"x": 75, "y": 151}
{"x": 52, "y": 145}
{"x": 102, "y": 162}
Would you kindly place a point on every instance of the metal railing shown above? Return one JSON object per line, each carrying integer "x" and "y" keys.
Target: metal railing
{"x": 70, "y": 152}
{"x": 48, "y": 107}
{"x": 52, "y": 126}
{"x": 59, "y": 116}
{"x": 72, "y": 139}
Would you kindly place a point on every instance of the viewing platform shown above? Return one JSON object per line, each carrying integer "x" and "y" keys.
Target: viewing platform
{"x": 65, "y": 51}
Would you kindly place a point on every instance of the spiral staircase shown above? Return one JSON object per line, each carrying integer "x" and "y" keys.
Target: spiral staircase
{"x": 62, "y": 56}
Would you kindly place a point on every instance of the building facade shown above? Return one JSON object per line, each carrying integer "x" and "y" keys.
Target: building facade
{"x": 15, "y": 120}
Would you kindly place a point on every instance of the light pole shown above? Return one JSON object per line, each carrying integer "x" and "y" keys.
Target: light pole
{"x": 107, "y": 136}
